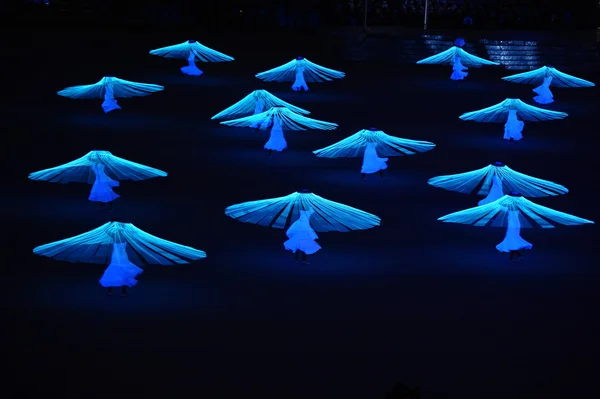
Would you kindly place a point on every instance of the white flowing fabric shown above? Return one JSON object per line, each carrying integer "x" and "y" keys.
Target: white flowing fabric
{"x": 300, "y": 83}
{"x": 544, "y": 95}
{"x": 109, "y": 104}
{"x": 495, "y": 193}
{"x": 371, "y": 161}
{"x": 276, "y": 140}
{"x": 513, "y": 129}
{"x": 512, "y": 240}
{"x": 121, "y": 272}
{"x": 301, "y": 236}
{"x": 102, "y": 188}
{"x": 191, "y": 69}
{"x": 458, "y": 69}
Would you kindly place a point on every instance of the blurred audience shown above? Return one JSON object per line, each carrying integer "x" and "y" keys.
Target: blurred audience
{"x": 257, "y": 14}
{"x": 489, "y": 14}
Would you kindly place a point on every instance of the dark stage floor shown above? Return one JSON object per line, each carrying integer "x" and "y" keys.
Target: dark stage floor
{"x": 414, "y": 300}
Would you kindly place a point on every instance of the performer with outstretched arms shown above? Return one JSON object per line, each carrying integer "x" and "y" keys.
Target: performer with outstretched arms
{"x": 545, "y": 77}
{"x": 124, "y": 246}
{"x": 374, "y": 146}
{"x": 508, "y": 112}
{"x": 191, "y": 51}
{"x": 300, "y": 71}
{"x": 109, "y": 88}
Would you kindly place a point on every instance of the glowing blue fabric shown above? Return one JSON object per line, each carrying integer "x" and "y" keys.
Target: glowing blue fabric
{"x": 499, "y": 113}
{"x": 80, "y": 170}
{"x": 289, "y": 121}
{"x": 247, "y": 104}
{"x": 96, "y": 247}
{"x": 312, "y": 72}
{"x": 559, "y": 79}
{"x": 495, "y": 213}
{"x": 281, "y": 212}
{"x": 387, "y": 146}
{"x": 480, "y": 181}
{"x": 120, "y": 89}
{"x": 447, "y": 58}
{"x": 184, "y": 50}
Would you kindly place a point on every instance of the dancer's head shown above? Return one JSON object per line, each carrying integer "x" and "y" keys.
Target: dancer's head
{"x": 498, "y": 164}
{"x": 304, "y": 191}
{"x": 191, "y": 41}
{"x": 299, "y": 58}
{"x": 515, "y": 194}
{"x": 373, "y": 129}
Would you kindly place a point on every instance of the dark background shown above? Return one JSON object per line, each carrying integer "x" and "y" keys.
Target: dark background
{"x": 414, "y": 300}
{"x": 231, "y": 15}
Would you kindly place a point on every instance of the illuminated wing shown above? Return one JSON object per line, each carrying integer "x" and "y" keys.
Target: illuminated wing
{"x": 247, "y": 104}
{"x": 249, "y": 121}
{"x": 125, "y": 88}
{"x": 353, "y": 146}
{"x": 528, "y": 186}
{"x": 283, "y": 73}
{"x": 480, "y": 181}
{"x": 546, "y": 217}
{"x": 530, "y": 113}
{"x": 312, "y": 72}
{"x": 535, "y": 77}
{"x": 243, "y": 107}
{"x": 293, "y": 121}
{"x": 122, "y": 169}
{"x": 157, "y": 251}
{"x": 183, "y": 51}
{"x": 178, "y": 51}
{"x": 317, "y": 73}
{"x": 445, "y": 57}
{"x": 494, "y": 214}
{"x": 281, "y": 212}
{"x": 495, "y": 114}
{"x": 96, "y": 247}
{"x": 473, "y": 61}
{"x": 272, "y": 101}
{"x": 84, "y": 91}
{"x": 92, "y": 247}
{"x": 498, "y": 113}
{"x": 80, "y": 170}
{"x": 206, "y": 54}
{"x": 289, "y": 121}
{"x": 559, "y": 79}
{"x": 387, "y": 146}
